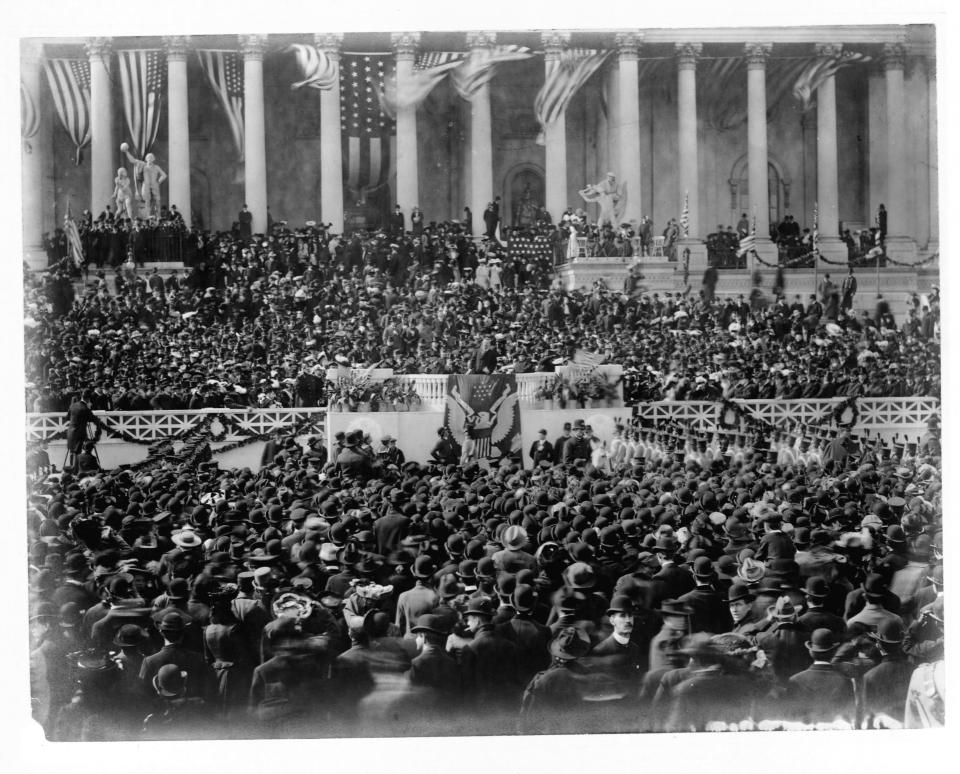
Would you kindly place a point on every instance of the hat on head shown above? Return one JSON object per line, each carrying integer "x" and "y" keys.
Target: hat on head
{"x": 479, "y": 606}
{"x": 621, "y": 603}
{"x": 874, "y": 587}
{"x": 890, "y": 631}
{"x": 674, "y": 607}
{"x": 784, "y": 610}
{"x": 514, "y": 537}
{"x": 186, "y": 538}
{"x": 423, "y": 567}
{"x": 579, "y": 575}
{"x": 739, "y": 590}
{"x": 822, "y": 641}
{"x": 524, "y": 597}
{"x": 129, "y": 636}
{"x": 816, "y": 588}
{"x": 570, "y": 643}
{"x": 170, "y": 681}
{"x": 429, "y": 623}
{"x": 751, "y": 570}
{"x": 703, "y": 568}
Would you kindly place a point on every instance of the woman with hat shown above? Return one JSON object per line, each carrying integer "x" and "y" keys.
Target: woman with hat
{"x": 226, "y": 644}
{"x": 553, "y": 697}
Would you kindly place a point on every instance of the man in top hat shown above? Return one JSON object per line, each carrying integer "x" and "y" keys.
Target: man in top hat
{"x": 561, "y": 440}
{"x": 710, "y": 612}
{"x": 552, "y": 698}
{"x": 820, "y": 693}
{"x": 419, "y": 600}
{"x": 541, "y": 449}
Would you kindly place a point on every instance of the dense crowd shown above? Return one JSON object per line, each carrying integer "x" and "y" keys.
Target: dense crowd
{"x": 255, "y": 323}
{"x": 686, "y": 584}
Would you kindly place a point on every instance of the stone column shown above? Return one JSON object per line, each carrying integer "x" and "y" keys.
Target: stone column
{"x": 331, "y": 149}
{"x": 687, "y": 54}
{"x": 33, "y": 152}
{"x": 481, "y": 141}
{"x": 408, "y": 182}
{"x": 252, "y": 47}
{"x": 102, "y": 152}
{"x": 628, "y": 50}
{"x": 178, "y": 126}
{"x": 896, "y": 203}
{"x": 828, "y": 192}
{"x": 757, "y": 54}
{"x": 555, "y": 132}
{"x": 933, "y": 169}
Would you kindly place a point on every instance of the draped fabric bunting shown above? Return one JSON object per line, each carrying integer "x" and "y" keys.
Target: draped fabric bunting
{"x": 224, "y": 71}
{"x": 565, "y": 78}
{"x": 69, "y": 81}
{"x": 29, "y": 117}
{"x": 368, "y": 134}
{"x": 142, "y": 80}
{"x": 817, "y": 71}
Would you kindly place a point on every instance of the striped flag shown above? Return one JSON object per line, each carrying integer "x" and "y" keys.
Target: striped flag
{"x": 816, "y": 230}
{"x": 224, "y": 71}
{"x": 29, "y": 117}
{"x": 748, "y": 244}
{"x": 817, "y": 71}
{"x": 567, "y": 74}
{"x": 478, "y": 69}
{"x": 74, "y": 245}
{"x": 319, "y": 71}
{"x": 69, "y": 81}
{"x": 429, "y": 68}
{"x": 368, "y": 134}
{"x": 685, "y": 216}
{"x": 142, "y": 76}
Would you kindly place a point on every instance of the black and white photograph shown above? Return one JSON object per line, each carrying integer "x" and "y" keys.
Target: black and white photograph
{"x": 516, "y": 377}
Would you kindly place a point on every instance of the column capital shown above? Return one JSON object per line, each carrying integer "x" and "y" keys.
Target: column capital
{"x": 687, "y": 55}
{"x": 31, "y": 50}
{"x": 828, "y": 50}
{"x": 894, "y": 56}
{"x": 554, "y": 41}
{"x": 99, "y": 48}
{"x": 405, "y": 43}
{"x": 481, "y": 39}
{"x": 757, "y": 54}
{"x": 252, "y": 46}
{"x": 175, "y": 47}
{"x": 628, "y": 44}
{"x": 329, "y": 43}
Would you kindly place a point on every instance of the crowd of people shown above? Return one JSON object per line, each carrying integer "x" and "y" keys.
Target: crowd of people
{"x": 256, "y": 322}
{"x": 694, "y": 582}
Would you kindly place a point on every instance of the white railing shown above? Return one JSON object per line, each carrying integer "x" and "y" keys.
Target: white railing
{"x": 147, "y": 426}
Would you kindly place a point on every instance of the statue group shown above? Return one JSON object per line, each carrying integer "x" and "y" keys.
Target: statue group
{"x": 139, "y": 198}
{"x": 611, "y": 196}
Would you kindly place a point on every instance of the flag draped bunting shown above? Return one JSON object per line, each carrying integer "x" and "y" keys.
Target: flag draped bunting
{"x": 318, "y": 70}
{"x": 142, "y": 84}
{"x": 564, "y": 79}
{"x": 480, "y": 66}
{"x": 224, "y": 71}
{"x": 69, "y": 81}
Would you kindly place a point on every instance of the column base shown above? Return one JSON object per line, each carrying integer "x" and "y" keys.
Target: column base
{"x": 35, "y": 257}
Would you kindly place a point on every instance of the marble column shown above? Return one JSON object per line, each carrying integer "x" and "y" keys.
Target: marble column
{"x": 408, "y": 180}
{"x": 331, "y": 149}
{"x": 555, "y": 132}
{"x": 33, "y": 153}
{"x": 481, "y": 140}
{"x": 252, "y": 47}
{"x": 757, "y": 54}
{"x": 102, "y": 153}
{"x": 178, "y": 126}
{"x": 896, "y": 203}
{"x": 933, "y": 170}
{"x": 628, "y": 87}
{"x": 687, "y": 54}
{"x": 828, "y": 192}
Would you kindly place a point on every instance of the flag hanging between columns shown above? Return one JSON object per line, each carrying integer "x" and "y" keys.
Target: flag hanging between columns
{"x": 69, "y": 81}
{"x": 748, "y": 244}
{"x": 368, "y": 134}
{"x": 572, "y": 70}
{"x": 317, "y": 69}
{"x": 478, "y": 69}
{"x": 815, "y": 73}
{"x": 142, "y": 76}
{"x": 224, "y": 71}
{"x": 429, "y": 68}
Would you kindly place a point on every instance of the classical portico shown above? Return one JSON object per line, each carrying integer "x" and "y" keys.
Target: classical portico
{"x": 704, "y": 116}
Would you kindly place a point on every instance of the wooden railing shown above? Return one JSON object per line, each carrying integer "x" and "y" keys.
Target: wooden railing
{"x": 878, "y": 414}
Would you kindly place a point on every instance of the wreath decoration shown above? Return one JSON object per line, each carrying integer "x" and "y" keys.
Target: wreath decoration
{"x": 847, "y": 413}
{"x": 729, "y": 415}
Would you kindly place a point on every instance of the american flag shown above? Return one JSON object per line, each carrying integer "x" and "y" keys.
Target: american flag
{"x": 74, "y": 245}
{"x": 429, "y": 68}
{"x": 224, "y": 71}
{"x": 69, "y": 81}
{"x": 817, "y": 71}
{"x": 587, "y": 359}
{"x": 142, "y": 80}
{"x": 816, "y": 230}
{"x": 368, "y": 134}
{"x": 29, "y": 117}
{"x": 685, "y": 216}
{"x": 480, "y": 392}
{"x": 319, "y": 71}
{"x": 563, "y": 81}
{"x": 749, "y": 242}
{"x": 478, "y": 69}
